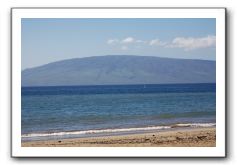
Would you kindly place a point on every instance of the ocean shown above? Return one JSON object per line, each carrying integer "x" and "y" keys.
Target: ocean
{"x": 84, "y": 111}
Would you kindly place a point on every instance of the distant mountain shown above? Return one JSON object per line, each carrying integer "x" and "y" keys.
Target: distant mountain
{"x": 120, "y": 69}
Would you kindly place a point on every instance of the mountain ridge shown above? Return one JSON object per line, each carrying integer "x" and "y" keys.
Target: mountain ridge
{"x": 120, "y": 69}
{"x": 78, "y": 58}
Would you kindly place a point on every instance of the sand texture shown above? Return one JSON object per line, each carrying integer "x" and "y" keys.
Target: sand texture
{"x": 195, "y": 137}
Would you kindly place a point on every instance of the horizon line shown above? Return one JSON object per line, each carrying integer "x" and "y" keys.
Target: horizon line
{"x": 116, "y": 85}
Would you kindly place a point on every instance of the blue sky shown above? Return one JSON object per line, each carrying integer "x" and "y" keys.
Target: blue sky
{"x": 49, "y": 40}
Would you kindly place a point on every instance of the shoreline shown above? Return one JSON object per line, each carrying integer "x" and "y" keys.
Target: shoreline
{"x": 188, "y": 137}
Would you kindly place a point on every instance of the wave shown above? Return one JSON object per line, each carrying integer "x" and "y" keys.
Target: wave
{"x": 120, "y": 130}
{"x": 195, "y": 125}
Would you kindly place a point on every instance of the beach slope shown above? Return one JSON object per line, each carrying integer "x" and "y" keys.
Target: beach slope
{"x": 193, "y": 137}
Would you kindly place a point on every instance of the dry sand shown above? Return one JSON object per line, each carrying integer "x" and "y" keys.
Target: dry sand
{"x": 195, "y": 137}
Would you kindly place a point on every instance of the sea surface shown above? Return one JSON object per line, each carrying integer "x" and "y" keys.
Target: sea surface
{"x": 82, "y": 111}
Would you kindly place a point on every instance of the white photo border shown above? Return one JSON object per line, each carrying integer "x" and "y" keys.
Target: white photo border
{"x": 218, "y": 13}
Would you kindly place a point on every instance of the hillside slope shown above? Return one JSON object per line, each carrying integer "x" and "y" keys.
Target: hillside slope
{"x": 120, "y": 69}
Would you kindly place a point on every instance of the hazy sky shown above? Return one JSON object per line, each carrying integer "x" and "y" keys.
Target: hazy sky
{"x": 49, "y": 40}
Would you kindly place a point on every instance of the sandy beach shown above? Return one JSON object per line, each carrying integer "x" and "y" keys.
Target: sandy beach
{"x": 191, "y": 137}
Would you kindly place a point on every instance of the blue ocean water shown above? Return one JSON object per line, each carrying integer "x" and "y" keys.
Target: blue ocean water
{"x": 79, "y": 110}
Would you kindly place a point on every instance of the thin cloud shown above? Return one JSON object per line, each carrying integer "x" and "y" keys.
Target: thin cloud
{"x": 193, "y": 43}
{"x": 112, "y": 41}
{"x": 187, "y": 44}
{"x": 128, "y": 40}
{"x": 157, "y": 42}
{"x": 141, "y": 41}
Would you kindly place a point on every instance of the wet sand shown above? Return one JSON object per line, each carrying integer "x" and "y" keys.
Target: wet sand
{"x": 192, "y": 137}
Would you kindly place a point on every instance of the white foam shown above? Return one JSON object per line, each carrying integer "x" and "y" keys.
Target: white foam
{"x": 118, "y": 130}
{"x": 196, "y": 125}
{"x": 95, "y": 131}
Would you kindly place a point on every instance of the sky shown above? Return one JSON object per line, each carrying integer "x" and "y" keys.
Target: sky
{"x": 46, "y": 40}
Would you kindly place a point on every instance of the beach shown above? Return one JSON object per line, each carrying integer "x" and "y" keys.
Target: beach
{"x": 190, "y": 137}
